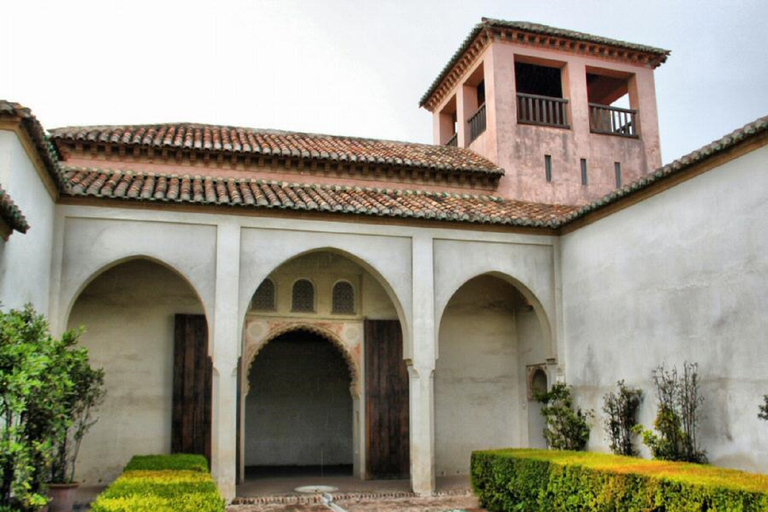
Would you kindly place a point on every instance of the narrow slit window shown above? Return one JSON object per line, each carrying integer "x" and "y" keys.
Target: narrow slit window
{"x": 343, "y": 299}
{"x": 617, "y": 169}
{"x": 583, "y": 171}
{"x": 264, "y": 298}
{"x": 303, "y": 297}
{"x": 548, "y": 167}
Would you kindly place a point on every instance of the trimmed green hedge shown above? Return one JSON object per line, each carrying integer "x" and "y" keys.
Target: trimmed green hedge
{"x": 162, "y": 483}
{"x": 181, "y": 461}
{"x": 549, "y": 480}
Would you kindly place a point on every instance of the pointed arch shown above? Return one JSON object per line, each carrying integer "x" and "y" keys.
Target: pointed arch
{"x": 70, "y": 300}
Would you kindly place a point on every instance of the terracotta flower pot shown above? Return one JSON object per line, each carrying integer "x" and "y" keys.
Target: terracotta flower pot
{"x": 62, "y": 497}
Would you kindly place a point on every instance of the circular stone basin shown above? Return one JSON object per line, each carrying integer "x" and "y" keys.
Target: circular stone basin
{"x": 315, "y": 489}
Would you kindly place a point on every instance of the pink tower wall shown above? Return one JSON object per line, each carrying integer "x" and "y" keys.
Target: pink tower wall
{"x": 520, "y": 148}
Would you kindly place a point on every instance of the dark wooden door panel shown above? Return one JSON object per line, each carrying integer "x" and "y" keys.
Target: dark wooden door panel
{"x": 192, "y": 379}
{"x": 387, "y": 401}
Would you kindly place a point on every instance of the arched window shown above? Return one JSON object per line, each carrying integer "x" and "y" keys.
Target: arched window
{"x": 538, "y": 384}
{"x": 343, "y": 299}
{"x": 303, "y": 298}
{"x": 264, "y": 298}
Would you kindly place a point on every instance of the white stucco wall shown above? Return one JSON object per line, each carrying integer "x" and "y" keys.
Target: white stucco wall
{"x": 477, "y": 399}
{"x": 681, "y": 276}
{"x": 25, "y": 259}
{"x": 488, "y": 336}
{"x": 128, "y": 312}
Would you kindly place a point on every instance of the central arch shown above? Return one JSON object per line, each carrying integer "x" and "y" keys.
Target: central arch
{"x": 299, "y": 404}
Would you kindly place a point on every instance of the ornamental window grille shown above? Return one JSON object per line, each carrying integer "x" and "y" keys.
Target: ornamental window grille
{"x": 303, "y": 299}
{"x": 343, "y": 298}
{"x": 264, "y": 298}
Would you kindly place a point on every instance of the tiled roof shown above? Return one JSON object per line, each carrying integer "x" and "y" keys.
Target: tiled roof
{"x": 11, "y": 214}
{"x": 753, "y": 129}
{"x": 34, "y": 129}
{"x": 535, "y": 28}
{"x": 233, "y": 140}
{"x": 140, "y": 186}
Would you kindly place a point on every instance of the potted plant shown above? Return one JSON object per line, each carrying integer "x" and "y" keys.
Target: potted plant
{"x": 84, "y": 395}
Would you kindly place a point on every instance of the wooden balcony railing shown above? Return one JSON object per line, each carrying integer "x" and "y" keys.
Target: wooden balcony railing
{"x": 453, "y": 141}
{"x": 542, "y": 110}
{"x": 612, "y": 120}
{"x": 477, "y": 123}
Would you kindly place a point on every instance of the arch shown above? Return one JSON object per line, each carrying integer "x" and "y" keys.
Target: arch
{"x": 303, "y": 296}
{"x": 362, "y": 262}
{"x": 524, "y": 290}
{"x": 343, "y": 298}
{"x": 252, "y": 350}
{"x": 72, "y": 300}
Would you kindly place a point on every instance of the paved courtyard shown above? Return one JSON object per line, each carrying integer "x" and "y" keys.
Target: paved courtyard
{"x": 372, "y": 504}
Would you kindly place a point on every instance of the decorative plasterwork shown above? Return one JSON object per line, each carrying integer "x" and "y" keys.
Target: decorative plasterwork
{"x": 347, "y": 336}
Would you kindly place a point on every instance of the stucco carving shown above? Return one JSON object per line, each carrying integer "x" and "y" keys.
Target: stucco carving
{"x": 346, "y": 336}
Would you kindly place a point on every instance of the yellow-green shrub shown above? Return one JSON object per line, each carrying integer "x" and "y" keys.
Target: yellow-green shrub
{"x": 162, "y": 490}
{"x": 541, "y": 480}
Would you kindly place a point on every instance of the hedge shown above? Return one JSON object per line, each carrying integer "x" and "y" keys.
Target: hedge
{"x": 162, "y": 483}
{"x": 179, "y": 461}
{"x": 549, "y": 480}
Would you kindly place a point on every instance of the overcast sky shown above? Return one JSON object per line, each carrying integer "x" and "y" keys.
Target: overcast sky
{"x": 349, "y": 67}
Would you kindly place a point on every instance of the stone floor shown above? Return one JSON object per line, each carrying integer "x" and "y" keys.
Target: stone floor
{"x": 277, "y": 494}
{"x": 435, "y": 504}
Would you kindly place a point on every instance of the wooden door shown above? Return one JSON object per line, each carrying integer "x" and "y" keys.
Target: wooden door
{"x": 192, "y": 381}
{"x": 386, "y": 401}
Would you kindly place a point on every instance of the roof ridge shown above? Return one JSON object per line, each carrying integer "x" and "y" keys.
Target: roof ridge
{"x": 268, "y": 131}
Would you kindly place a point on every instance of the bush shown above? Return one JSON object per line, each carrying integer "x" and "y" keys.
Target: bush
{"x": 565, "y": 428}
{"x": 162, "y": 483}
{"x": 178, "y": 461}
{"x": 621, "y": 409}
{"x": 677, "y": 419}
{"x": 35, "y": 384}
{"x": 763, "y": 414}
{"x": 542, "y": 480}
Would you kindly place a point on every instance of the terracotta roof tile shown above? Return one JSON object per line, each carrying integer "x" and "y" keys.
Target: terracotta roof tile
{"x": 11, "y": 214}
{"x": 34, "y": 129}
{"x": 120, "y": 184}
{"x": 233, "y": 140}
{"x": 536, "y": 28}
{"x": 712, "y": 149}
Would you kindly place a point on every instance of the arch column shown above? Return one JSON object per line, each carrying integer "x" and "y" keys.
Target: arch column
{"x": 421, "y": 368}
{"x": 225, "y": 347}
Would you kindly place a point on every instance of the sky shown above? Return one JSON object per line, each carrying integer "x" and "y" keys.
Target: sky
{"x": 348, "y": 67}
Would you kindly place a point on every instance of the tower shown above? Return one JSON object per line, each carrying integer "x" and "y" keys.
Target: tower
{"x": 567, "y": 115}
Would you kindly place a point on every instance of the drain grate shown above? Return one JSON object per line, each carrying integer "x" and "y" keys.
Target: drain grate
{"x": 315, "y": 489}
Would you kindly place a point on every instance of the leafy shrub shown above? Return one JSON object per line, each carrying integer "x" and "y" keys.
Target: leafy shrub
{"x": 36, "y": 385}
{"x": 177, "y": 483}
{"x": 559, "y": 481}
{"x": 763, "y": 414}
{"x": 178, "y": 461}
{"x": 87, "y": 393}
{"x": 565, "y": 428}
{"x": 677, "y": 420}
{"x": 621, "y": 409}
